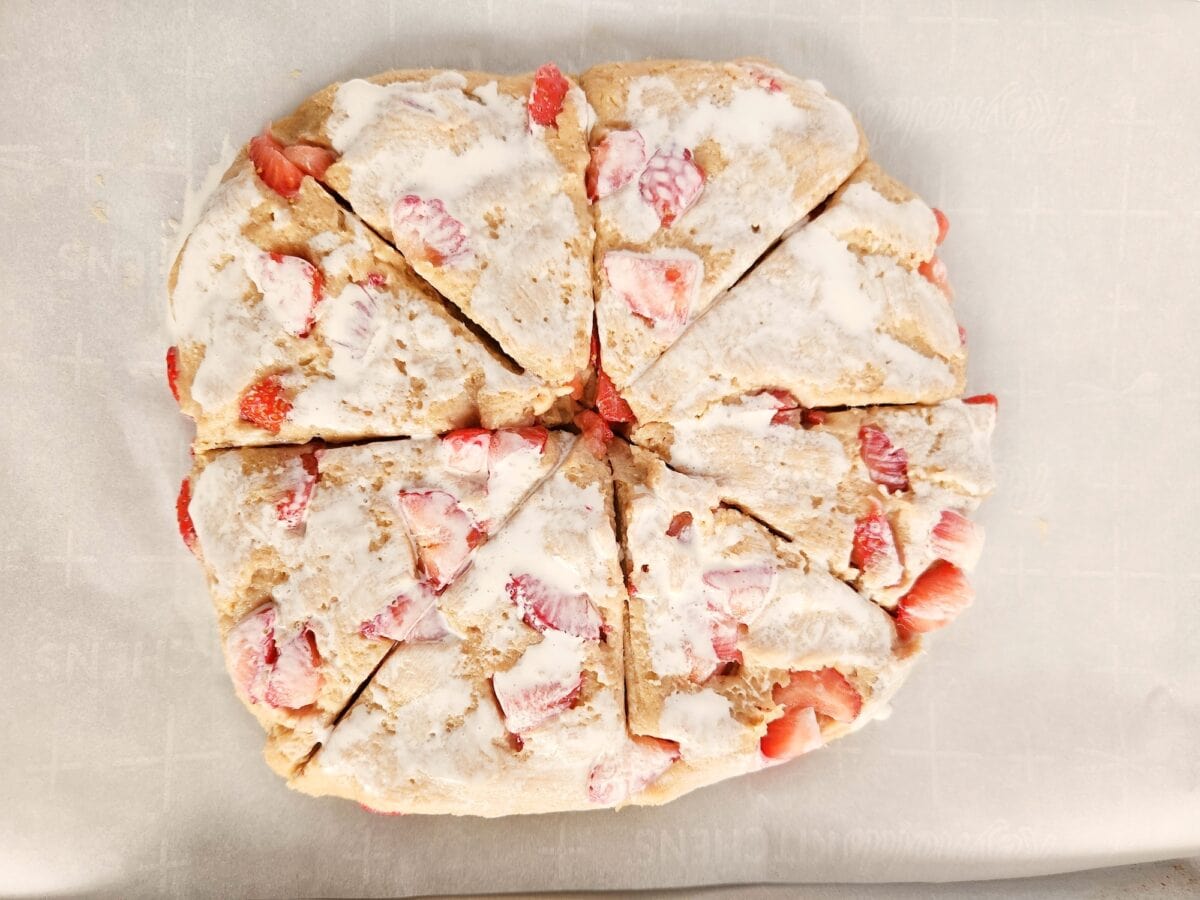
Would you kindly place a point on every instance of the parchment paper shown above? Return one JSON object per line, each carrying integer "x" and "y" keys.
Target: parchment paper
{"x": 1055, "y": 727}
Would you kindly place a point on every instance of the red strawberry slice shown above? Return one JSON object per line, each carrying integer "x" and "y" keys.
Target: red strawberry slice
{"x": 278, "y": 172}
{"x": 611, "y": 405}
{"x": 291, "y": 288}
{"x": 763, "y": 78}
{"x": 543, "y": 607}
{"x": 507, "y": 441}
{"x": 681, "y": 526}
{"x": 596, "y": 433}
{"x": 443, "y": 532}
{"x": 173, "y": 371}
{"x": 467, "y": 450}
{"x": 985, "y": 399}
{"x": 812, "y": 418}
{"x": 623, "y": 773}
{"x": 403, "y": 618}
{"x": 724, "y": 631}
{"x": 790, "y": 411}
{"x": 615, "y": 162}
{"x": 265, "y": 404}
{"x": 957, "y": 539}
{"x": 874, "y": 551}
{"x": 671, "y": 183}
{"x": 741, "y": 592}
{"x": 424, "y": 230}
{"x": 250, "y": 648}
{"x": 795, "y": 733}
{"x": 292, "y": 508}
{"x": 295, "y": 678}
{"x": 187, "y": 530}
{"x": 826, "y": 691}
{"x": 659, "y": 290}
{"x": 702, "y": 661}
{"x": 934, "y": 271}
{"x": 943, "y": 224}
{"x": 526, "y": 706}
{"x": 887, "y": 465}
{"x": 546, "y": 95}
{"x": 936, "y": 598}
{"x": 309, "y": 159}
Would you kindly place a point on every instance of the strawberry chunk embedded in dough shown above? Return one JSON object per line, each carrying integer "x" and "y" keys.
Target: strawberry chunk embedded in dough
{"x": 724, "y": 632}
{"x": 278, "y": 172}
{"x": 610, "y": 404}
{"x": 173, "y": 371}
{"x": 957, "y": 539}
{"x": 543, "y": 607}
{"x": 657, "y": 289}
{"x": 292, "y": 508}
{"x": 507, "y": 441}
{"x": 526, "y": 706}
{"x": 874, "y": 551}
{"x": 740, "y": 592}
{"x": 546, "y": 95}
{"x": 412, "y": 616}
{"x": 983, "y": 399}
{"x": 444, "y": 534}
{"x": 615, "y": 162}
{"x": 934, "y": 271}
{"x": 183, "y": 516}
{"x": 291, "y": 288}
{"x": 887, "y": 465}
{"x": 424, "y": 230}
{"x": 250, "y": 650}
{"x": 827, "y": 691}
{"x": 670, "y": 183}
{"x": 265, "y": 404}
{"x": 936, "y": 598}
{"x": 624, "y": 773}
{"x": 309, "y": 159}
{"x": 595, "y": 431}
{"x": 680, "y": 526}
{"x": 295, "y": 677}
{"x": 793, "y": 734}
{"x": 943, "y": 224}
{"x": 466, "y": 450}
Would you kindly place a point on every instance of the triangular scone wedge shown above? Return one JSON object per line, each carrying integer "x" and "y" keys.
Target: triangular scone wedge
{"x": 484, "y": 201}
{"x": 520, "y": 708}
{"x": 293, "y": 321}
{"x": 837, "y": 314}
{"x": 875, "y": 494}
{"x": 319, "y": 559}
{"x": 697, "y": 168}
{"x": 721, "y": 613}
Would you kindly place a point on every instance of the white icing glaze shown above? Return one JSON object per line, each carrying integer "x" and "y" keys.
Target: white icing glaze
{"x": 702, "y": 723}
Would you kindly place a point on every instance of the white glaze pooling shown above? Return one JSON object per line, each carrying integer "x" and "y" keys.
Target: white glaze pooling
{"x": 702, "y": 723}
{"x": 475, "y": 153}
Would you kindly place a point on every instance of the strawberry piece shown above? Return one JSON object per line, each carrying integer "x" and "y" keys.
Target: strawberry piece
{"x": 187, "y": 530}
{"x": 546, "y": 95}
{"x": 615, "y": 162}
{"x": 681, "y": 526}
{"x": 292, "y": 508}
{"x": 763, "y": 77}
{"x": 379, "y": 812}
{"x": 874, "y": 551}
{"x": 352, "y": 327}
{"x": 443, "y": 532}
{"x": 826, "y": 691}
{"x": 943, "y": 224}
{"x": 309, "y": 159}
{"x": 507, "y": 441}
{"x": 989, "y": 399}
{"x": 936, "y": 598}
{"x": 659, "y": 290}
{"x": 404, "y": 618}
{"x": 812, "y": 418}
{"x": 526, "y": 706}
{"x": 291, "y": 288}
{"x": 173, "y": 371}
{"x": 957, "y": 539}
{"x": 934, "y": 271}
{"x": 250, "y": 648}
{"x": 793, "y": 734}
{"x": 423, "y": 229}
{"x": 724, "y": 631}
{"x": 295, "y": 678}
{"x": 467, "y": 450}
{"x": 702, "y": 661}
{"x": 264, "y": 404}
{"x": 430, "y": 627}
{"x": 962, "y": 336}
{"x": 611, "y": 405}
{"x": 790, "y": 411}
{"x": 278, "y": 172}
{"x": 887, "y": 465}
{"x": 739, "y": 593}
{"x": 621, "y": 774}
{"x": 595, "y": 431}
{"x": 543, "y": 608}
{"x": 671, "y": 183}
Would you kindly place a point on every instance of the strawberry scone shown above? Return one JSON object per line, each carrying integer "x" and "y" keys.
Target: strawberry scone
{"x": 320, "y": 558}
{"x": 739, "y": 648}
{"x": 293, "y": 321}
{"x": 696, "y": 169}
{"x": 852, "y": 308}
{"x": 478, "y": 181}
{"x": 519, "y": 707}
{"x": 876, "y": 494}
